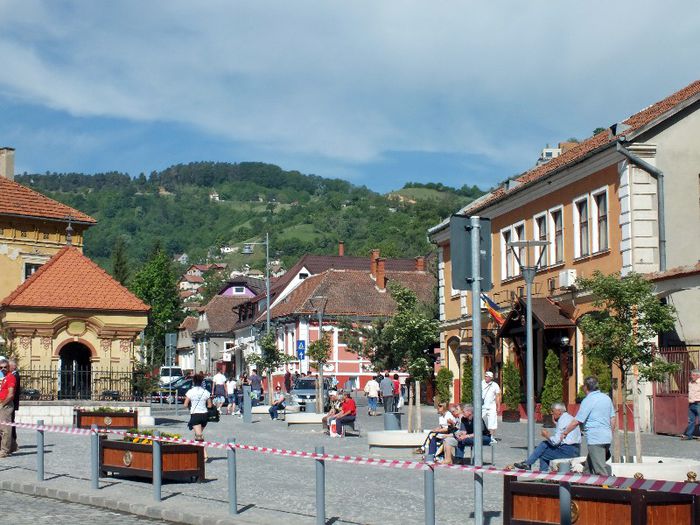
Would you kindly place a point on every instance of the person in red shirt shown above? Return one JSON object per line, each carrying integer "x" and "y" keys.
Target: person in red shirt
{"x": 397, "y": 391}
{"x": 7, "y": 407}
{"x": 348, "y": 411}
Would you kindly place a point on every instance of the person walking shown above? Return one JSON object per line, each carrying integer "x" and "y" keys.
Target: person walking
{"x": 199, "y": 402}
{"x": 693, "y": 403}
{"x": 288, "y": 381}
{"x": 387, "y": 389}
{"x": 18, "y": 388}
{"x": 597, "y": 415}
{"x": 242, "y": 381}
{"x": 255, "y": 385}
{"x": 372, "y": 392}
{"x": 7, "y": 407}
{"x": 555, "y": 446}
{"x": 397, "y": 392}
{"x": 231, "y": 386}
{"x": 491, "y": 403}
{"x": 218, "y": 389}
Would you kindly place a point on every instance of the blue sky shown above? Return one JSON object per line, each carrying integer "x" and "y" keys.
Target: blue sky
{"x": 379, "y": 93}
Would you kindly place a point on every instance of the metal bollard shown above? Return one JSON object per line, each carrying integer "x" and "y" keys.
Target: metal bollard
{"x": 40, "y": 451}
{"x": 157, "y": 468}
{"x": 247, "y": 405}
{"x": 177, "y": 409}
{"x": 429, "y": 491}
{"x": 95, "y": 454}
{"x": 320, "y": 488}
{"x": 564, "y": 496}
{"x": 232, "y": 493}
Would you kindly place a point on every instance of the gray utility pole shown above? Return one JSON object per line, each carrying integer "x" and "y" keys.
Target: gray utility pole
{"x": 528, "y": 271}
{"x": 267, "y": 285}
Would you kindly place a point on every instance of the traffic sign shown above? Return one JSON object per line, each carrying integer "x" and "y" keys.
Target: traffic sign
{"x": 301, "y": 350}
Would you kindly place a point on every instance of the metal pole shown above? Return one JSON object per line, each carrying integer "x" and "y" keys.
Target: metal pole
{"x": 320, "y": 488}
{"x": 232, "y": 493}
{"x": 40, "y": 451}
{"x": 319, "y": 381}
{"x": 529, "y": 276}
{"x": 564, "y": 496}
{"x": 157, "y": 468}
{"x": 429, "y": 491}
{"x": 267, "y": 285}
{"x": 478, "y": 459}
{"x": 95, "y": 454}
{"x": 247, "y": 404}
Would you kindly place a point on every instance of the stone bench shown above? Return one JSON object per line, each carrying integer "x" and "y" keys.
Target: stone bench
{"x": 304, "y": 418}
{"x": 395, "y": 439}
{"x": 265, "y": 409}
{"x": 576, "y": 463}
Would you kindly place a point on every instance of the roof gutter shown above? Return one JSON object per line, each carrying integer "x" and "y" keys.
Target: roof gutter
{"x": 659, "y": 176}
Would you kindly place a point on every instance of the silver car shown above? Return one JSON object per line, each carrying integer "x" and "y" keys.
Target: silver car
{"x": 304, "y": 393}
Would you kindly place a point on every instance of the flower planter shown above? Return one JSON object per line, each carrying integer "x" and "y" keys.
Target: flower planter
{"x": 179, "y": 462}
{"x": 511, "y": 416}
{"x": 106, "y": 419}
{"x": 538, "y": 503}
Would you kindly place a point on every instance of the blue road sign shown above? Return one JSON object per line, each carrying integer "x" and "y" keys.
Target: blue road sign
{"x": 301, "y": 350}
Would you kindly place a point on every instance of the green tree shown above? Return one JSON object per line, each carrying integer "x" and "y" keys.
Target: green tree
{"x": 269, "y": 359}
{"x": 511, "y": 386}
{"x": 120, "y": 262}
{"x": 599, "y": 130}
{"x": 467, "y": 395}
{"x": 319, "y": 353}
{"x": 593, "y": 366}
{"x": 443, "y": 385}
{"x": 622, "y": 329}
{"x": 552, "y": 391}
{"x": 156, "y": 285}
{"x": 214, "y": 281}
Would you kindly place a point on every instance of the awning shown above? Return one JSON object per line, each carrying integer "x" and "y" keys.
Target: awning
{"x": 545, "y": 313}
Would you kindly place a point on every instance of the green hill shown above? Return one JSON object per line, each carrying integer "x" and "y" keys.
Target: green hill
{"x": 302, "y": 213}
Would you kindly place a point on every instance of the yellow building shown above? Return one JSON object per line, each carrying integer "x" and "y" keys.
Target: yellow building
{"x": 71, "y": 325}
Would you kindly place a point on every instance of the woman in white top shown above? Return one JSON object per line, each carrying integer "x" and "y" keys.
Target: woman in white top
{"x": 231, "y": 394}
{"x": 199, "y": 402}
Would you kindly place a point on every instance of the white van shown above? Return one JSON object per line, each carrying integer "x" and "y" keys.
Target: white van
{"x": 168, "y": 374}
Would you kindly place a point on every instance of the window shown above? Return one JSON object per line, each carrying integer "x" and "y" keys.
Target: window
{"x": 556, "y": 223}
{"x": 600, "y": 217}
{"x": 508, "y": 259}
{"x": 238, "y": 290}
{"x": 29, "y": 269}
{"x": 540, "y": 223}
{"x": 46, "y": 236}
{"x": 303, "y": 275}
{"x": 581, "y": 224}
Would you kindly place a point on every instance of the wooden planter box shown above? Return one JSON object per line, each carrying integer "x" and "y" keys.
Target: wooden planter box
{"x": 535, "y": 503}
{"x": 121, "y": 420}
{"x": 179, "y": 462}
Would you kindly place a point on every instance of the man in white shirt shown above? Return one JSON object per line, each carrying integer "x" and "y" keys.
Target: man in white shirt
{"x": 372, "y": 391}
{"x": 491, "y": 403}
{"x": 557, "y": 446}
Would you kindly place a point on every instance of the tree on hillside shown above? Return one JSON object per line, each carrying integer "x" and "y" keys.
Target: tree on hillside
{"x": 214, "y": 281}
{"x": 156, "y": 285}
{"x": 622, "y": 330}
{"x": 120, "y": 263}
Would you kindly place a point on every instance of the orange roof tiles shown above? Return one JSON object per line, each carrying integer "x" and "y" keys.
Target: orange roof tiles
{"x": 16, "y": 199}
{"x": 71, "y": 281}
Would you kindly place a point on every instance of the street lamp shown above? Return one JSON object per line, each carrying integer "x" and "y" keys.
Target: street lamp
{"x": 318, "y": 302}
{"x": 267, "y": 276}
{"x": 528, "y": 271}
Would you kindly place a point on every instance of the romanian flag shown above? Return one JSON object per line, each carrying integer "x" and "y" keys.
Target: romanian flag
{"x": 494, "y": 310}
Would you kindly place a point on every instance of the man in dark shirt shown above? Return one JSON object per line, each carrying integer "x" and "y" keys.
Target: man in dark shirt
{"x": 255, "y": 385}
{"x": 464, "y": 437}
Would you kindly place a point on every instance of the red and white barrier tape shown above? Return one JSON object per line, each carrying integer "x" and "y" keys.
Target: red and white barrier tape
{"x": 677, "y": 487}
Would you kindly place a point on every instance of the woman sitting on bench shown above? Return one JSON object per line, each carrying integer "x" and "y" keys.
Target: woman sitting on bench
{"x": 446, "y": 426}
{"x": 464, "y": 437}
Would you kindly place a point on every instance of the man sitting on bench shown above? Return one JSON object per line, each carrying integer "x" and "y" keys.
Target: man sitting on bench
{"x": 464, "y": 437}
{"x": 348, "y": 411}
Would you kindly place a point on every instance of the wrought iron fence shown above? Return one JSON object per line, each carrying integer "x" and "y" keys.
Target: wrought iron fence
{"x": 687, "y": 358}
{"x": 51, "y": 383}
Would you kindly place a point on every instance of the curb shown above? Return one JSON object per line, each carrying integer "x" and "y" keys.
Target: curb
{"x": 138, "y": 509}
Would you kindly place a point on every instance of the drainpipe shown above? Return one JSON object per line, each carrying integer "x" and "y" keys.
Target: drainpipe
{"x": 659, "y": 176}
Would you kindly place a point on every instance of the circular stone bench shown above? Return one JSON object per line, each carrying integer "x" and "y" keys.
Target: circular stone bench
{"x": 265, "y": 409}
{"x": 304, "y": 418}
{"x": 395, "y": 439}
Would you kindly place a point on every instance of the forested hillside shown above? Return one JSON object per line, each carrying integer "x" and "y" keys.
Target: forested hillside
{"x": 302, "y": 213}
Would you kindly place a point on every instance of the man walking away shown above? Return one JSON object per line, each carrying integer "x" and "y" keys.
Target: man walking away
{"x": 18, "y": 388}
{"x": 693, "y": 403}
{"x": 555, "y": 447}
{"x": 491, "y": 403}
{"x": 7, "y": 408}
{"x": 372, "y": 391}
{"x": 288, "y": 381}
{"x": 597, "y": 415}
{"x": 387, "y": 389}
{"x": 255, "y": 385}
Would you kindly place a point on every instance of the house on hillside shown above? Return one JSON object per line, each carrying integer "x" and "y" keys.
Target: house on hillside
{"x": 600, "y": 207}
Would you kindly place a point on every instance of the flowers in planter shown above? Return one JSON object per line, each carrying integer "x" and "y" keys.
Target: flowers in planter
{"x": 147, "y": 432}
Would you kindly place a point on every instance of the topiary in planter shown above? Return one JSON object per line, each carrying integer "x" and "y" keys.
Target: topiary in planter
{"x": 467, "y": 395}
{"x": 552, "y": 391}
{"x": 511, "y": 393}
{"x": 443, "y": 385}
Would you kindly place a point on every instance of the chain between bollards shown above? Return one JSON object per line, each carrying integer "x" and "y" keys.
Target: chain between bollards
{"x": 429, "y": 491}
{"x": 95, "y": 455}
{"x": 157, "y": 468}
{"x": 320, "y": 488}
{"x": 40, "y": 451}
{"x": 232, "y": 492}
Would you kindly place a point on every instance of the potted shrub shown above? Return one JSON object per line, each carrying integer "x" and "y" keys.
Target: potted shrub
{"x": 552, "y": 391}
{"x": 467, "y": 393}
{"x": 106, "y": 417}
{"x": 134, "y": 457}
{"x": 443, "y": 385}
{"x": 511, "y": 393}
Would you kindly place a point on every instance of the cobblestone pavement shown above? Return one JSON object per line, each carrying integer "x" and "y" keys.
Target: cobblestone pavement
{"x": 278, "y": 488}
{"x": 20, "y": 509}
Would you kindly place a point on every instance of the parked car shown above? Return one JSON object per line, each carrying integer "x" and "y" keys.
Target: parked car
{"x": 304, "y": 393}
{"x": 178, "y": 389}
{"x": 168, "y": 374}
{"x": 30, "y": 394}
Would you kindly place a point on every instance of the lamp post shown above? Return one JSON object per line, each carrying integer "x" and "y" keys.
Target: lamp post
{"x": 528, "y": 271}
{"x": 319, "y": 302}
{"x": 267, "y": 277}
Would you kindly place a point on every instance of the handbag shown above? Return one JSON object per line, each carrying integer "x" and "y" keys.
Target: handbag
{"x": 213, "y": 414}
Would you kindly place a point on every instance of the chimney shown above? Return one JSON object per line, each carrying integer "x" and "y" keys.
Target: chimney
{"x": 373, "y": 256}
{"x": 341, "y": 248}
{"x": 7, "y": 163}
{"x": 381, "y": 279}
{"x": 420, "y": 264}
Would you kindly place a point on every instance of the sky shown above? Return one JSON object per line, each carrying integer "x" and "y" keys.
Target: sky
{"x": 379, "y": 93}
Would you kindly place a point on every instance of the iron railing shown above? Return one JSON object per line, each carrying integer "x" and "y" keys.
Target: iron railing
{"x": 687, "y": 358}
{"x": 51, "y": 383}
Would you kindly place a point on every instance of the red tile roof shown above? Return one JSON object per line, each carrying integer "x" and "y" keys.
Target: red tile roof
{"x": 71, "y": 281}
{"x": 588, "y": 147}
{"x": 672, "y": 273}
{"x": 20, "y": 200}
{"x": 192, "y": 278}
{"x": 220, "y": 315}
{"x": 189, "y": 323}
